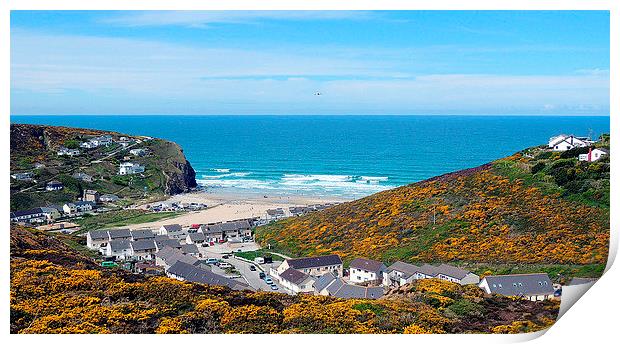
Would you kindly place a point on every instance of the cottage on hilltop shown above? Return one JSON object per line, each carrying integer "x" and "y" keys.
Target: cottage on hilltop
{"x": 593, "y": 154}
{"x": 401, "y": 273}
{"x": 563, "y": 142}
{"x": 126, "y": 168}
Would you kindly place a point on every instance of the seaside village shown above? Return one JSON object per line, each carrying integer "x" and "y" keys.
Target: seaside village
{"x": 225, "y": 253}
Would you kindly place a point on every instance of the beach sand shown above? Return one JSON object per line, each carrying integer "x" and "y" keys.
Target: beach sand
{"x": 231, "y": 206}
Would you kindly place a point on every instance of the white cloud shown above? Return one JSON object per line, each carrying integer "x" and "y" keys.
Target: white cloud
{"x": 126, "y": 75}
{"x": 202, "y": 19}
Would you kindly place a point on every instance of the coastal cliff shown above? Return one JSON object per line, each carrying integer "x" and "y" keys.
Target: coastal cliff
{"x": 35, "y": 148}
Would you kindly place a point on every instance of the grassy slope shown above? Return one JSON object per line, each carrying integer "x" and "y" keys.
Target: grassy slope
{"x": 55, "y": 289}
{"x": 498, "y": 217}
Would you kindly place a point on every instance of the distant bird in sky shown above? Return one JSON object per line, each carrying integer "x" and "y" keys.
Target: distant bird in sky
{"x": 317, "y": 93}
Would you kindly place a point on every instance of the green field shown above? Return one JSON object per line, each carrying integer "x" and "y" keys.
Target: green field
{"x": 121, "y": 218}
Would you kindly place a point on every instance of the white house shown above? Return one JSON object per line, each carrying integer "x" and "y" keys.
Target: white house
{"x": 173, "y": 231}
{"x": 332, "y": 285}
{"x": 563, "y": 142}
{"x": 130, "y": 168}
{"x": 78, "y": 207}
{"x": 365, "y": 270}
{"x": 593, "y": 154}
{"x": 143, "y": 249}
{"x": 296, "y": 281}
{"x": 313, "y": 266}
{"x": 68, "y": 152}
{"x": 36, "y": 215}
{"x": 533, "y": 287}
{"x": 197, "y": 238}
{"x": 96, "y": 239}
{"x": 25, "y": 176}
{"x": 138, "y": 151}
{"x": 119, "y": 249}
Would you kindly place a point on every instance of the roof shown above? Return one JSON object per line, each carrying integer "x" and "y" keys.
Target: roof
{"x": 348, "y": 291}
{"x": 119, "y": 233}
{"x": 172, "y": 255}
{"x": 604, "y": 150}
{"x": 142, "y": 234}
{"x": 294, "y": 276}
{"x": 429, "y": 270}
{"x": 142, "y": 245}
{"x": 198, "y": 236}
{"x": 580, "y": 280}
{"x": 98, "y": 234}
{"x": 33, "y": 211}
{"x": 195, "y": 274}
{"x": 83, "y": 203}
{"x": 517, "y": 285}
{"x": 189, "y": 249}
{"x": 227, "y": 226}
{"x": 54, "y": 182}
{"x": 324, "y": 281}
{"x": 310, "y": 262}
{"x": 367, "y": 264}
{"x": 166, "y": 242}
{"x": 119, "y": 244}
{"x": 173, "y": 228}
{"x": 108, "y": 196}
{"x": 89, "y": 191}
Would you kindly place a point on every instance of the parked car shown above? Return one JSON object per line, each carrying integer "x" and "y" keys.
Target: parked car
{"x": 212, "y": 260}
{"x": 261, "y": 275}
{"x": 225, "y": 256}
{"x": 274, "y": 287}
{"x": 224, "y": 265}
{"x": 268, "y": 280}
{"x": 252, "y": 267}
{"x": 205, "y": 244}
{"x": 108, "y": 264}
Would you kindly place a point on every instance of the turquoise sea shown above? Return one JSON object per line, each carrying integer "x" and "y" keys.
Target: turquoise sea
{"x": 346, "y": 156}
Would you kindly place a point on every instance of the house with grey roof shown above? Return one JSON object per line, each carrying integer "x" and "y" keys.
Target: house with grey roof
{"x": 97, "y": 238}
{"x": 363, "y": 270}
{"x": 142, "y": 234}
{"x": 120, "y": 249}
{"x": 331, "y": 285}
{"x": 36, "y": 215}
{"x": 108, "y": 198}
{"x": 197, "y": 238}
{"x": 313, "y": 266}
{"x": 161, "y": 243}
{"x": 191, "y": 273}
{"x": 174, "y": 231}
{"x": 119, "y": 234}
{"x": 401, "y": 273}
{"x": 533, "y": 287}
{"x": 232, "y": 230}
{"x": 190, "y": 249}
{"x": 167, "y": 256}
{"x": 143, "y": 249}
{"x": 296, "y": 281}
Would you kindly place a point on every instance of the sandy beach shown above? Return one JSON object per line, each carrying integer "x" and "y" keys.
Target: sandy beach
{"x": 231, "y": 206}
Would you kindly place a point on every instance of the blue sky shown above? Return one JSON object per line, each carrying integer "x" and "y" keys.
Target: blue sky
{"x": 273, "y": 62}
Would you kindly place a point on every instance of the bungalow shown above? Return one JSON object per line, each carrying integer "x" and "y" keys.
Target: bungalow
{"x": 83, "y": 177}
{"x": 313, "y": 266}
{"x": 191, "y": 273}
{"x": 401, "y": 273}
{"x": 594, "y": 154}
{"x": 366, "y": 270}
{"x": 168, "y": 256}
{"x": 143, "y": 249}
{"x": 119, "y": 249}
{"x": 107, "y": 198}
{"x": 25, "y": 176}
{"x": 331, "y": 285}
{"x": 142, "y": 234}
{"x": 563, "y": 142}
{"x": 96, "y": 239}
{"x": 88, "y": 145}
{"x": 296, "y": 281}
{"x": 174, "y": 231}
{"x": 54, "y": 185}
{"x": 191, "y": 250}
{"x": 197, "y": 238}
{"x": 533, "y": 287}
{"x": 91, "y": 196}
{"x": 161, "y": 243}
{"x": 275, "y": 214}
{"x": 78, "y": 207}
{"x": 103, "y": 140}
{"x": 130, "y": 168}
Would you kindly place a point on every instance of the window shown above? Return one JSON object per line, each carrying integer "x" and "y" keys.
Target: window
{"x": 514, "y": 285}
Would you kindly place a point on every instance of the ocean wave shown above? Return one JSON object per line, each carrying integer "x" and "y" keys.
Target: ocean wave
{"x": 221, "y": 170}
{"x": 220, "y": 176}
